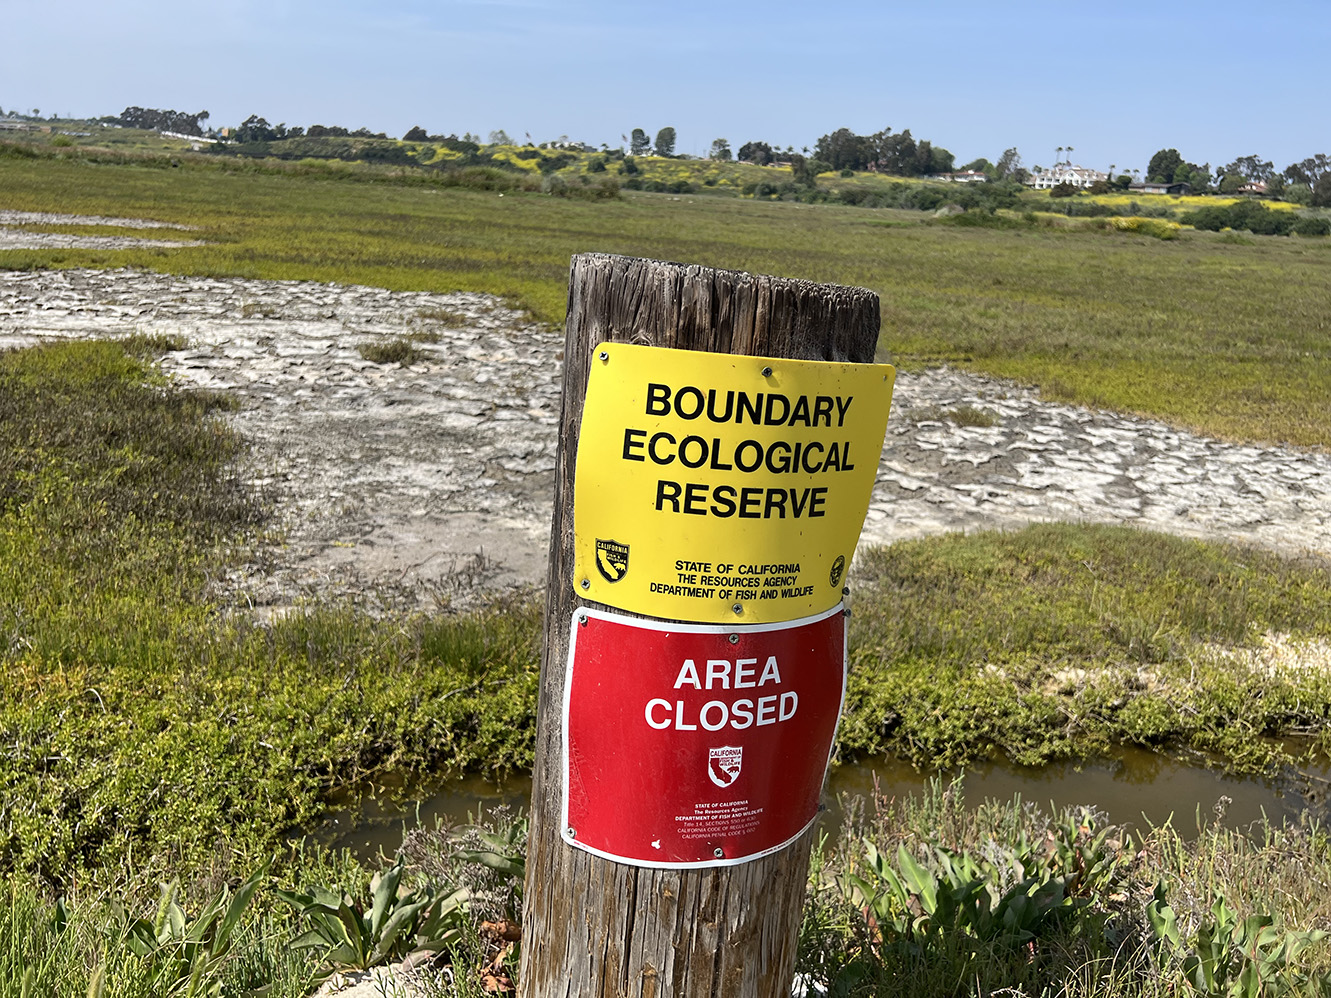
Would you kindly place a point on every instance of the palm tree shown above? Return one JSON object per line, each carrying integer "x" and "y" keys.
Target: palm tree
{"x": 1058, "y": 160}
{"x": 1068, "y": 150}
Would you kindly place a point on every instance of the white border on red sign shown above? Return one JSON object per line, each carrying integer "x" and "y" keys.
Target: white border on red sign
{"x": 686, "y": 628}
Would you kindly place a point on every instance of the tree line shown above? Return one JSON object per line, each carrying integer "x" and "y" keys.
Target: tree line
{"x": 1307, "y": 181}
{"x": 884, "y": 151}
{"x": 257, "y": 129}
{"x": 157, "y": 120}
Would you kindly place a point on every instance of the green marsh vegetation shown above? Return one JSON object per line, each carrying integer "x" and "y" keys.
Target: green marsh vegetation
{"x": 1050, "y": 641}
{"x": 1220, "y": 336}
{"x": 154, "y": 730}
{"x": 153, "y": 734}
{"x": 924, "y": 896}
{"x": 143, "y": 718}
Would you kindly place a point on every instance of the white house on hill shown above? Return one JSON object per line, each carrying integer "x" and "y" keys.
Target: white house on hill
{"x": 964, "y": 177}
{"x": 1065, "y": 173}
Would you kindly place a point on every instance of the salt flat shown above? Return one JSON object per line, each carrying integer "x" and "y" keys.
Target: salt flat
{"x": 432, "y": 483}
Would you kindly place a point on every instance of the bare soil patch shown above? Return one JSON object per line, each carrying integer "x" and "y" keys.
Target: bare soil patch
{"x": 430, "y": 483}
{"x": 12, "y": 238}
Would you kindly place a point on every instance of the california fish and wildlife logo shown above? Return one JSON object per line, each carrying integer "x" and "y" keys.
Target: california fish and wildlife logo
{"x": 612, "y": 558}
{"x": 838, "y": 567}
{"x": 723, "y": 764}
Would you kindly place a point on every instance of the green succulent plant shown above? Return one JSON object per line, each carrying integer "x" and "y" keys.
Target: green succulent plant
{"x": 186, "y": 955}
{"x": 396, "y": 923}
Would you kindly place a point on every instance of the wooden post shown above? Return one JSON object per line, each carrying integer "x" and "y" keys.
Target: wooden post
{"x": 593, "y": 927}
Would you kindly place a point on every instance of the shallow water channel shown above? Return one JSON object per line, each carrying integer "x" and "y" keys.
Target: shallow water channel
{"x": 1134, "y": 787}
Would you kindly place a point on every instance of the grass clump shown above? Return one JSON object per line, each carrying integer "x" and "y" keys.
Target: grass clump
{"x": 1047, "y": 642}
{"x": 245, "y": 933}
{"x": 919, "y": 894}
{"x": 74, "y": 464}
{"x": 961, "y": 415}
{"x": 447, "y": 316}
{"x": 398, "y": 350}
{"x": 258, "y": 310}
{"x": 969, "y": 415}
{"x": 152, "y": 345}
{"x": 424, "y": 336}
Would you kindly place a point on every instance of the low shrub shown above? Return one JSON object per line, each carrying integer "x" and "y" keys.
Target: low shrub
{"x": 981, "y": 220}
{"x": 1311, "y": 225}
{"x": 1250, "y": 215}
{"x": 604, "y": 189}
{"x": 554, "y": 163}
{"x": 19, "y": 150}
{"x": 484, "y": 178}
{"x": 1157, "y": 228}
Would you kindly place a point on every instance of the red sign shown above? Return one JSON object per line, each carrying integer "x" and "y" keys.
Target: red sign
{"x": 690, "y": 745}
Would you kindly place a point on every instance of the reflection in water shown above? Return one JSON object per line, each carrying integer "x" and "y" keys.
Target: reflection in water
{"x": 1135, "y": 787}
{"x": 1139, "y": 767}
{"x": 374, "y": 820}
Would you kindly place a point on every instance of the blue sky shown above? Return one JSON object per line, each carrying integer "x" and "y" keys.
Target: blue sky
{"x": 1116, "y": 82}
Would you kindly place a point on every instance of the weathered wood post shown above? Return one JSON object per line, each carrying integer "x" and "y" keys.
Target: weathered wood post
{"x": 593, "y": 926}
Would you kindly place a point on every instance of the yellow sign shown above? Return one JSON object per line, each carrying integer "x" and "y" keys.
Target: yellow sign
{"x": 711, "y": 487}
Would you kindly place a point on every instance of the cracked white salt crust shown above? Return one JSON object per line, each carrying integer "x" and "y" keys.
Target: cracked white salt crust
{"x": 436, "y": 479}
{"x": 17, "y": 238}
{"x": 1279, "y": 655}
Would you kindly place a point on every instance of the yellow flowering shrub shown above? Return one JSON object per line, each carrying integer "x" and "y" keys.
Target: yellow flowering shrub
{"x": 1178, "y": 201}
{"x": 510, "y": 156}
{"x": 1159, "y": 228}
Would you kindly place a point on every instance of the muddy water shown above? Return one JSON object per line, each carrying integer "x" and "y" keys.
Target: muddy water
{"x": 374, "y": 818}
{"x": 1135, "y": 787}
